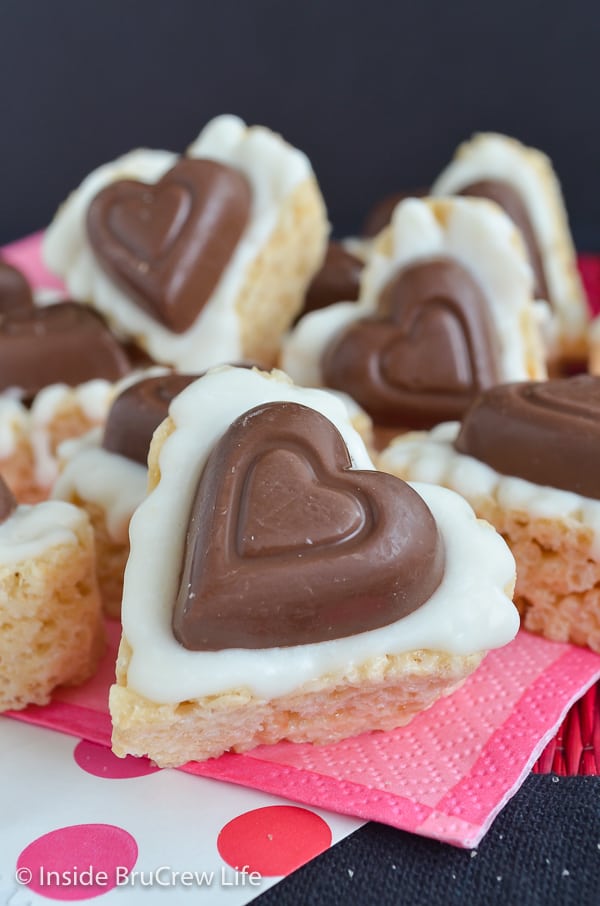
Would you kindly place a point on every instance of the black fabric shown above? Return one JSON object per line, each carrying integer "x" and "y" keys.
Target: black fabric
{"x": 542, "y": 850}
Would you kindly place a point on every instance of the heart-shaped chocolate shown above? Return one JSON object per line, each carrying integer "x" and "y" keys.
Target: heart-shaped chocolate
{"x": 337, "y": 281}
{"x": 512, "y": 203}
{"x": 547, "y": 432}
{"x": 65, "y": 343}
{"x": 381, "y": 213}
{"x": 15, "y": 292}
{"x": 138, "y": 411}
{"x": 427, "y": 353}
{"x": 167, "y": 244}
{"x": 288, "y": 545}
{"x": 8, "y": 502}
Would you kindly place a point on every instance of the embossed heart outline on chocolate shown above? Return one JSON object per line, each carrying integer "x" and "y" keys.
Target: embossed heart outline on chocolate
{"x": 288, "y": 545}
{"x": 546, "y": 432}
{"x": 167, "y": 244}
{"x": 427, "y": 353}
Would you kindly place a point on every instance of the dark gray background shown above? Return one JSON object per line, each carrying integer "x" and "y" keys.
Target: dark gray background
{"x": 378, "y": 93}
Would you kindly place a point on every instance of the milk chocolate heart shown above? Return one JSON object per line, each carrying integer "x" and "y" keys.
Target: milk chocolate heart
{"x": 288, "y": 545}
{"x": 168, "y": 244}
{"x": 545, "y": 432}
{"x": 15, "y": 292}
{"x": 65, "y": 343}
{"x": 509, "y": 199}
{"x": 8, "y": 502}
{"x": 426, "y": 355}
{"x": 337, "y": 281}
{"x": 138, "y": 411}
{"x": 381, "y": 213}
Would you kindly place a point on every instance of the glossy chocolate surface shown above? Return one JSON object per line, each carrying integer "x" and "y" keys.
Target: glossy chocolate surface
{"x": 138, "y": 411}
{"x": 512, "y": 203}
{"x": 427, "y": 353}
{"x": 65, "y": 343}
{"x": 287, "y": 545}
{"x": 337, "y": 281}
{"x": 547, "y": 432}
{"x": 8, "y": 502}
{"x": 168, "y": 244}
{"x": 381, "y": 213}
{"x": 15, "y": 292}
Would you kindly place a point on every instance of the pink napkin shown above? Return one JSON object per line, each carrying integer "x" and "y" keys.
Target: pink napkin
{"x": 446, "y": 775}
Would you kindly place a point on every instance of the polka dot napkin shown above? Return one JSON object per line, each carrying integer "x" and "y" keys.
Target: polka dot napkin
{"x": 77, "y": 823}
{"x": 446, "y": 775}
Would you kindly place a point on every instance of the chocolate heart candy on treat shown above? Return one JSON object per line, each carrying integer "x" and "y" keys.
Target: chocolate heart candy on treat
{"x": 167, "y": 244}
{"x": 427, "y": 353}
{"x": 65, "y": 343}
{"x": 547, "y": 432}
{"x": 509, "y": 199}
{"x": 138, "y": 411}
{"x": 381, "y": 213}
{"x": 15, "y": 292}
{"x": 288, "y": 545}
{"x": 8, "y": 502}
{"x": 337, "y": 281}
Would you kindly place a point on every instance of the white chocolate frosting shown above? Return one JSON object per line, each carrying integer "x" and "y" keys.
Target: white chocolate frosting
{"x": 14, "y": 424}
{"x": 273, "y": 168}
{"x": 490, "y": 156}
{"x": 431, "y": 457}
{"x": 94, "y": 475}
{"x": 468, "y": 613}
{"x": 474, "y": 232}
{"x": 92, "y": 399}
{"x": 32, "y": 530}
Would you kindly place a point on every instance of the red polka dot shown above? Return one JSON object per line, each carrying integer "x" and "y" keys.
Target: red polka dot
{"x": 101, "y": 762}
{"x": 274, "y": 840}
{"x": 86, "y": 860}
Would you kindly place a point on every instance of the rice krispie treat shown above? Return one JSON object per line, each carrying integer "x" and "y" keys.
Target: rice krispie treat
{"x": 201, "y": 259}
{"x": 522, "y": 181}
{"x": 278, "y": 587}
{"x": 51, "y": 629}
{"x": 526, "y": 458}
{"x": 106, "y": 474}
{"x": 445, "y": 310}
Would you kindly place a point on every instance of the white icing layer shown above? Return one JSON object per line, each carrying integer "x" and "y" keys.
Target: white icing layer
{"x": 114, "y": 483}
{"x": 32, "y": 530}
{"x": 468, "y": 613}
{"x": 92, "y": 399}
{"x": 475, "y": 233}
{"x": 273, "y": 168}
{"x": 431, "y": 457}
{"x": 14, "y": 424}
{"x": 490, "y": 156}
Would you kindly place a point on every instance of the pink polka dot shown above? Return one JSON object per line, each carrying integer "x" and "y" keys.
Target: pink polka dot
{"x": 274, "y": 840}
{"x": 77, "y": 862}
{"x": 101, "y": 762}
